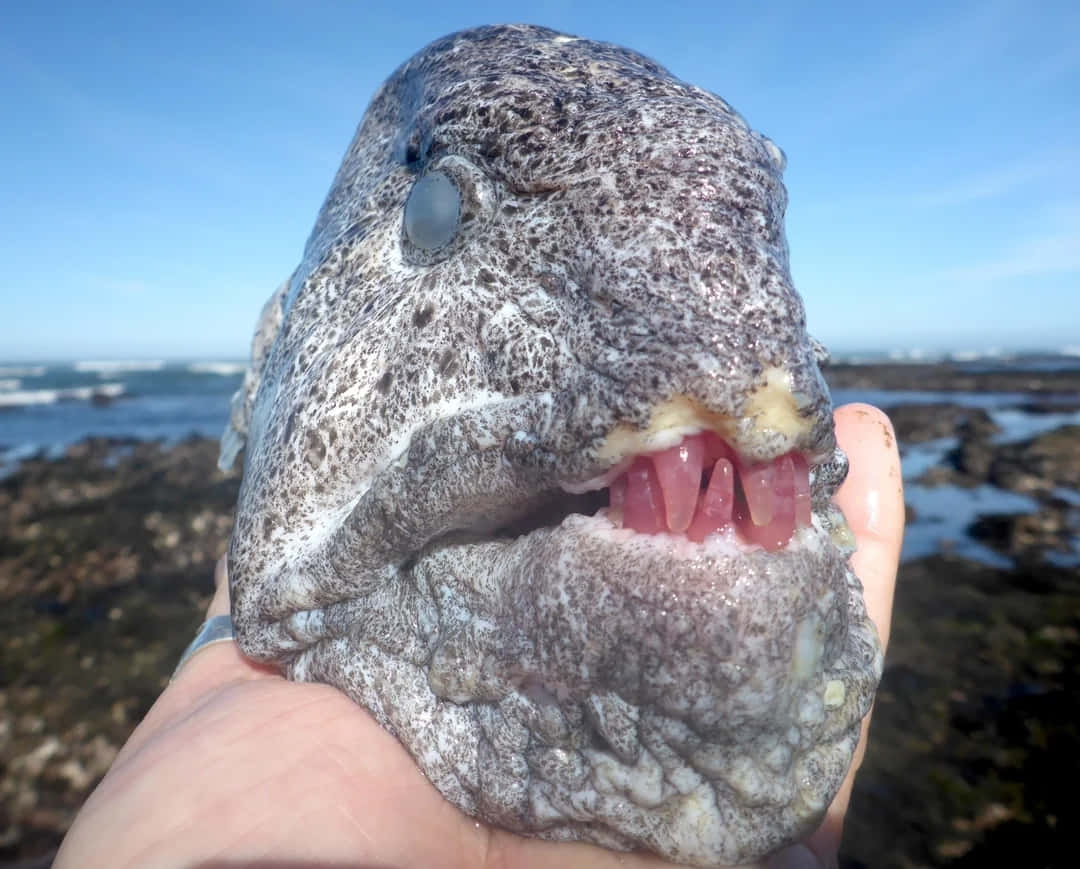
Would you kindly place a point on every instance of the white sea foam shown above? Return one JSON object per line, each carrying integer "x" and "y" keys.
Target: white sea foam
{"x": 913, "y": 354}
{"x": 9, "y": 384}
{"x": 28, "y": 397}
{"x": 119, "y": 366}
{"x": 22, "y": 370}
{"x": 976, "y": 355}
{"x": 225, "y": 369}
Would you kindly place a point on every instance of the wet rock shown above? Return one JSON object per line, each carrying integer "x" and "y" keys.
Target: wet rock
{"x": 918, "y": 423}
{"x": 973, "y": 459}
{"x": 1030, "y": 536}
{"x": 1059, "y": 404}
{"x": 1040, "y": 465}
{"x": 975, "y": 742}
{"x": 106, "y": 565}
{"x": 952, "y": 377}
{"x": 942, "y": 475}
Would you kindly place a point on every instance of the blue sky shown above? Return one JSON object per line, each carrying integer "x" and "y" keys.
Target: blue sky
{"x": 161, "y": 164}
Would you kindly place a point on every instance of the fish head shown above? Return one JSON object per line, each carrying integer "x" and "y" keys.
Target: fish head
{"x": 540, "y": 460}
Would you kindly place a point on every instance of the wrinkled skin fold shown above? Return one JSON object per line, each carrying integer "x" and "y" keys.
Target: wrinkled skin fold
{"x": 424, "y": 397}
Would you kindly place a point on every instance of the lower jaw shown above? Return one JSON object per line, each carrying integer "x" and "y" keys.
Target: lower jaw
{"x": 715, "y": 645}
{"x": 587, "y": 604}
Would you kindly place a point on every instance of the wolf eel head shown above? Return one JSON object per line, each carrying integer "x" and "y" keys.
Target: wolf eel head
{"x": 545, "y": 324}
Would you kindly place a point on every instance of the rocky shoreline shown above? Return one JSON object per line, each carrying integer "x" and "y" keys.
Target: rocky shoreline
{"x": 959, "y": 377}
{"x": 106, "y": 565}
{"x": 106, "y": 558}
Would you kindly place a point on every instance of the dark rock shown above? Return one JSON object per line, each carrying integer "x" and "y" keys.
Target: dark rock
{"x": 106, "y": 565}
{"x": 1038, "y": 466}
{"x": 973, "y": 459}
{"x": 1054, "y": 528}
{"x": 975, "y": 744}
{"x": 952, "y": 377}
{"x": 1063, "y": 404}
{"x": 943, "y": 475}
{"x": 917, "y": 423}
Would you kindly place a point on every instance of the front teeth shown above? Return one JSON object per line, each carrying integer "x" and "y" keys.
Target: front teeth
{"x": 678, "y": 471}
{"x": 700, "y": 486}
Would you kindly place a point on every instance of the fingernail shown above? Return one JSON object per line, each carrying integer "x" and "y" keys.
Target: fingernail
{"x": 874, "y": 471}
{"x": 794, "y": 857}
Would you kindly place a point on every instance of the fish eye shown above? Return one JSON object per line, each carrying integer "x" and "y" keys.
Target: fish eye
{"x": 433, "y": 211}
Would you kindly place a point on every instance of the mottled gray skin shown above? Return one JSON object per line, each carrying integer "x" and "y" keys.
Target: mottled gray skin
{"x": 621, "y": 244}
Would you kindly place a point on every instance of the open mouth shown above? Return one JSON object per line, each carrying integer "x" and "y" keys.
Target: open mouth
{"x": 696, "y": 488}
{"x": 701, "y": 486}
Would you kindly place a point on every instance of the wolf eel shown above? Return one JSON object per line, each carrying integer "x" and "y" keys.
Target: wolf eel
{"x": 539, "y": 458}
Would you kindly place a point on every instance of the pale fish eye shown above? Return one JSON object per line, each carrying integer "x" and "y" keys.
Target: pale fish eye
{"x": 432, "y": 211}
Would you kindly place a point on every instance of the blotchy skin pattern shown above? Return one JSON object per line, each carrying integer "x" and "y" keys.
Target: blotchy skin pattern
{"x": 412, "y": 419}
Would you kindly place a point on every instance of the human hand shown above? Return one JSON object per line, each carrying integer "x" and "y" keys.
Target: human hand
{"x": 236, "y": 767}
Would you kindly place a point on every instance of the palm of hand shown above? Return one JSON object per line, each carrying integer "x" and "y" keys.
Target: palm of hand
{"x": 234, "y": 766}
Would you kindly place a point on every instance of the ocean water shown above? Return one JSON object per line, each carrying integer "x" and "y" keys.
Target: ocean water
{"x": 46, "y": 407}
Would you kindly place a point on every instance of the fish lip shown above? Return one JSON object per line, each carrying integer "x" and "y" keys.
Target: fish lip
{"x": 599, "y": 481}
{"x": 676, "y": 588}
{"x": 725, "y": 543}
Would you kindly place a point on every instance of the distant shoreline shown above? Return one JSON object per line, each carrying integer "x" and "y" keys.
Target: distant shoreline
{"x": 1059, "y": 376}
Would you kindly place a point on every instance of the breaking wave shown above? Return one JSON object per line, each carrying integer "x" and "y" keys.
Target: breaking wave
{"x": 225, "y": 369}
{"x": 22, "y": 370}
{"x": 27, "y": 397}
{"x": 119, "y": 366}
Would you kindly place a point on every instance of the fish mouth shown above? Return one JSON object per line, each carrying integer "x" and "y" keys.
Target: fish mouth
{"x": 669, "y": 628}
{"x": 694, "y": 489}
{"x": 591, "y": 645}
{"x": 494, "y": 484}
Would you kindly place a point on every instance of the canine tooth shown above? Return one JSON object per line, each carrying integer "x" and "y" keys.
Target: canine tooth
{"x": 643, "y": 509}
{"x": 777, "y": 505}
{"x": 716, "y": 448}
{"x": 758, "y": 482}
{"x": 678, "y": 470}
{"x": 714, "y": 510}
